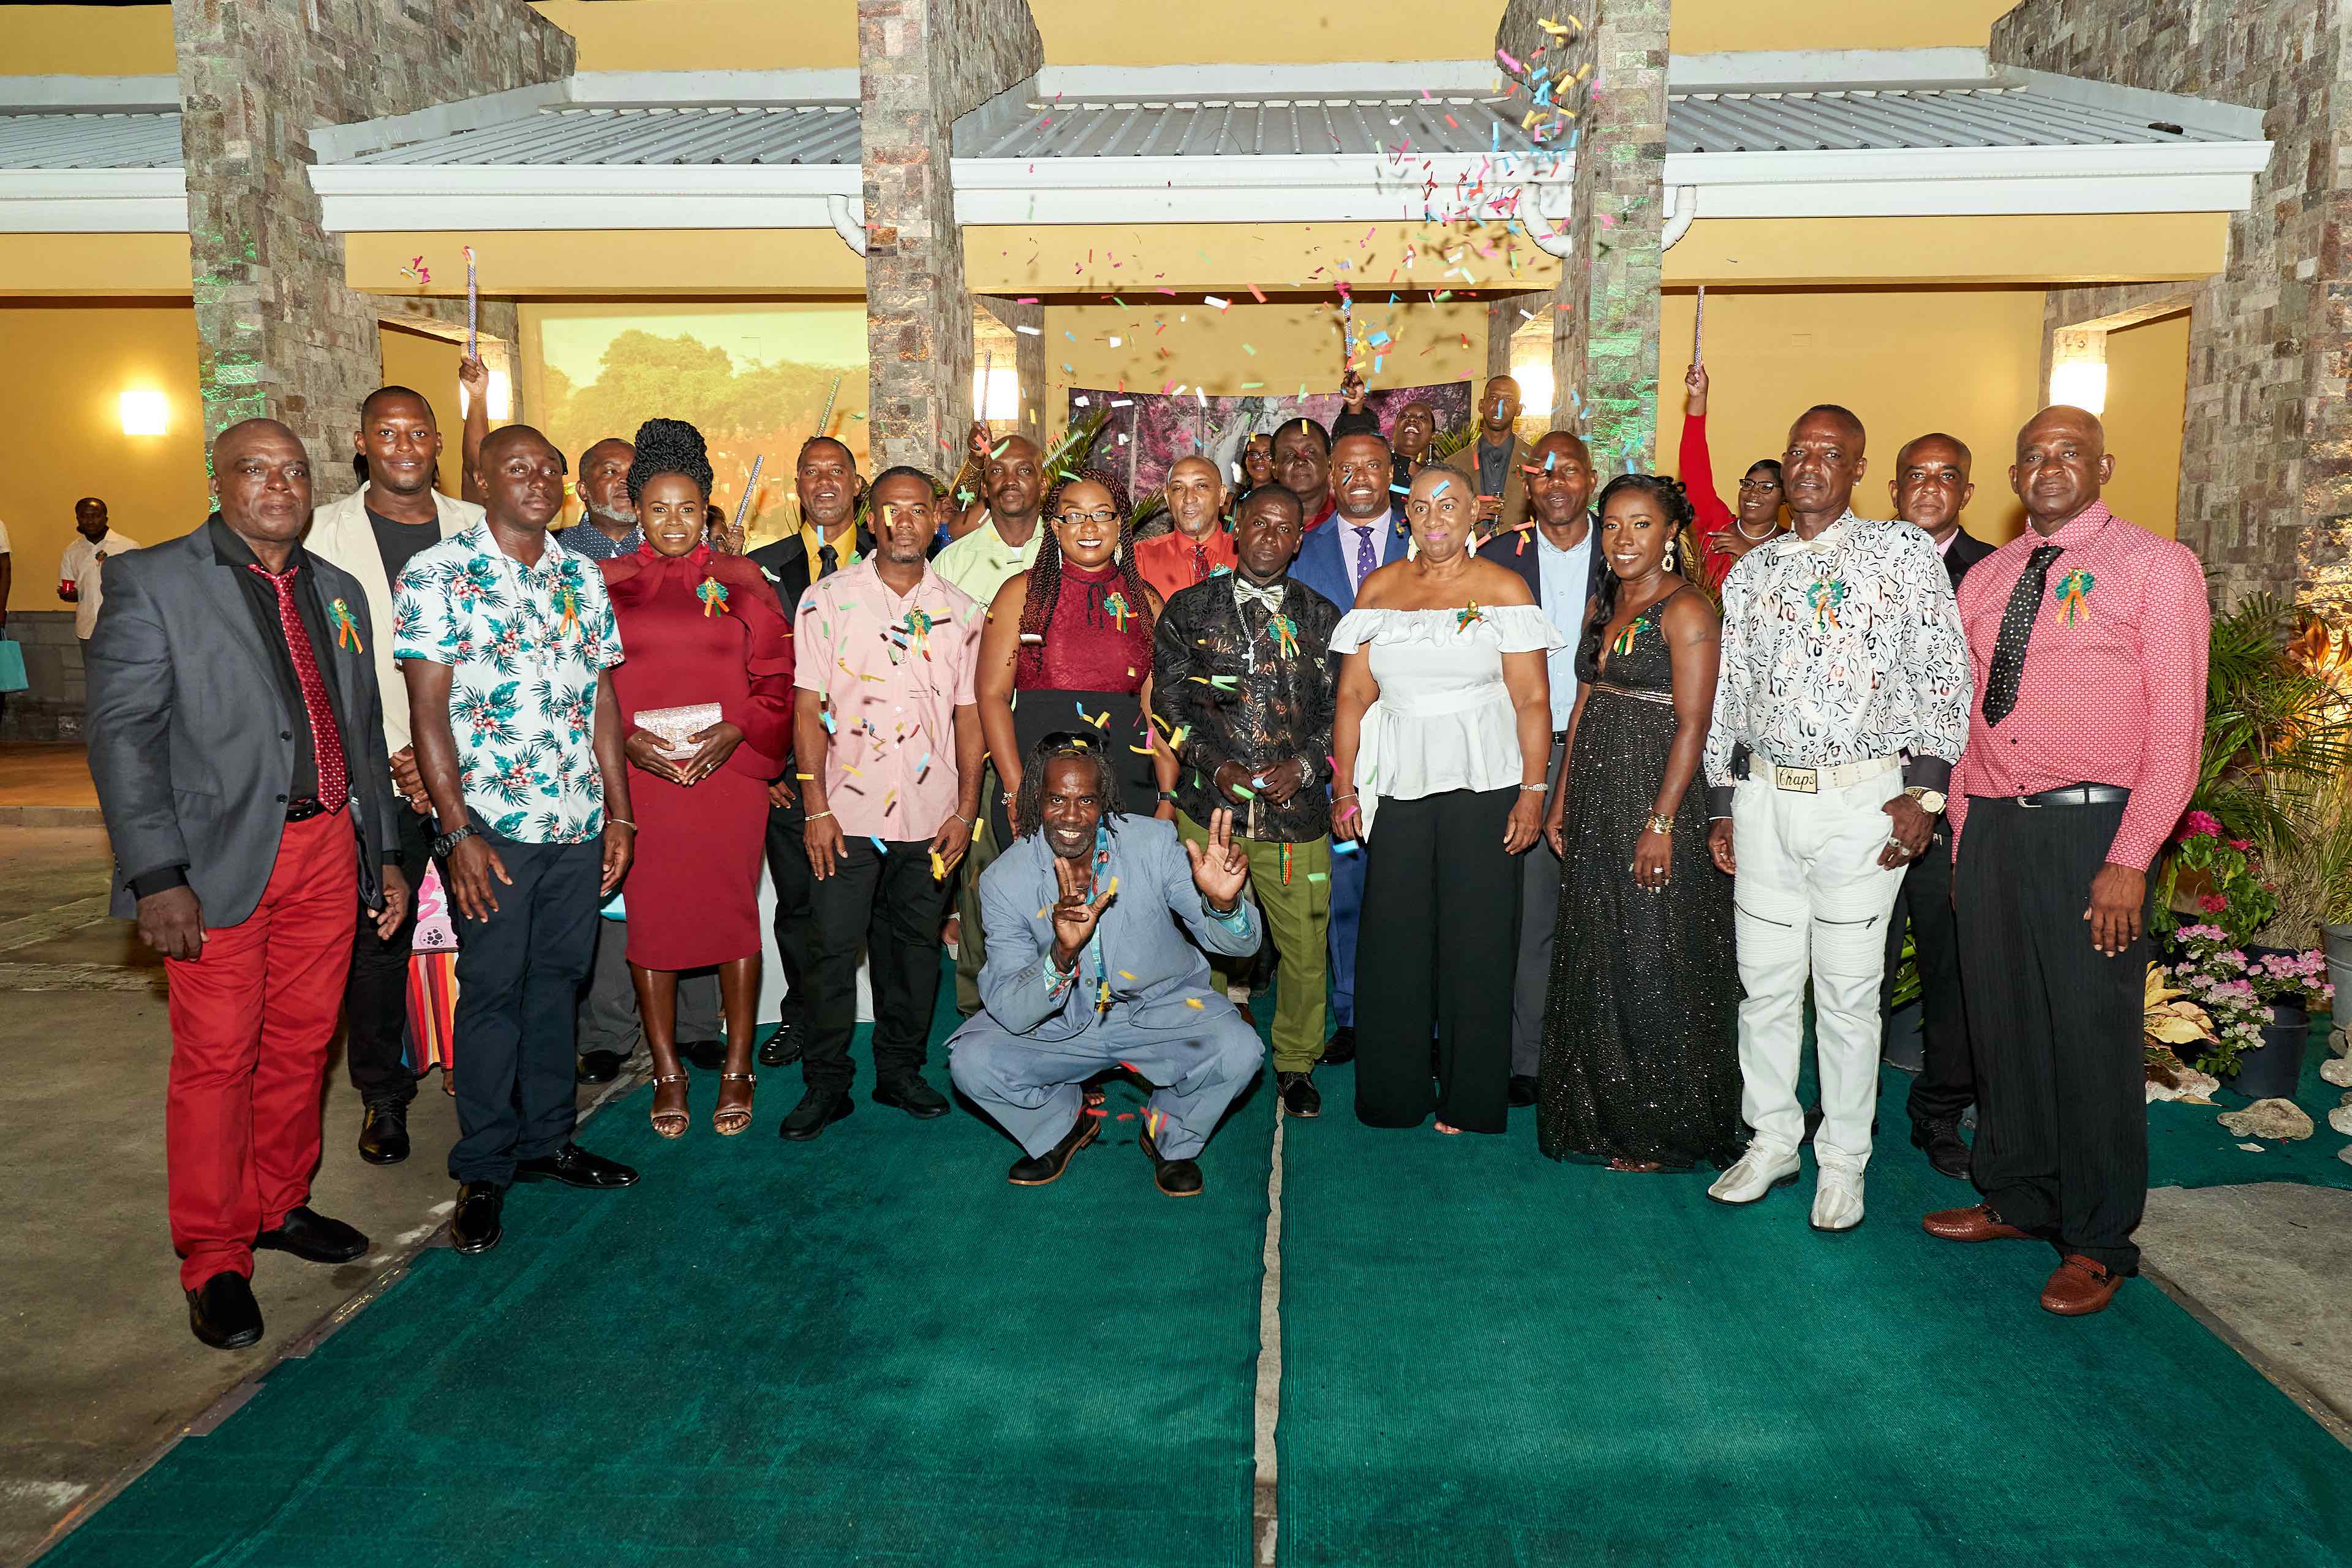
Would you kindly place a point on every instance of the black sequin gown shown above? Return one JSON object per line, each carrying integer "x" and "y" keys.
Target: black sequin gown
{"x": 1640, "y": 1053}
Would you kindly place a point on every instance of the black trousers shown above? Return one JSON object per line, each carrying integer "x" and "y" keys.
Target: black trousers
{"x": 1437, "y": 949}
{"x": 2061, "y": 1106}
{"x": 376, "y": 997}
{"x": 1947, "y": 1083}
{"x": 888, "y": 900}
{"x": 518, "y": 977}
{"x": 788, "y": 869}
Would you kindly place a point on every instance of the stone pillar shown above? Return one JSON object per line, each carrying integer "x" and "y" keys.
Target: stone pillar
{"x": 921, "y": 64}
{"x": 280, "y": 334}
{"x": 1022, "y": 347}
{"x": 2266, "y": 445}
{"x": 1605, "y": 343}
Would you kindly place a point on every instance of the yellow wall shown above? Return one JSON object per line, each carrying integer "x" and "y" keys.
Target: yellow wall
{"x": 1128, "y": 33}
{"x": 638, "y": 264}
{"x": 2147, "y": 397}
{"x": 1135, "y": 260}
{"x": 1907, "y": 362}
{"x": 1705, "y": 26}
{"x": 68, "y": 366}
{"x": 2079, "y": 248}
{"x": 86, "y": 41}
{"x": 428, "y": 364}
{"x": 707, "y": 35}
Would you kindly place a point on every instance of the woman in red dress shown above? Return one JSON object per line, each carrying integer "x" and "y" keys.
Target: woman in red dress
{"x": 698, "y": 628}
{"x": 1724, "y": 535}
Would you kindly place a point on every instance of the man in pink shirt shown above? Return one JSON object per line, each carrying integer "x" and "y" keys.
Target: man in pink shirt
{"x": 2088, "y": 638}
{"x": 890, "y": 746}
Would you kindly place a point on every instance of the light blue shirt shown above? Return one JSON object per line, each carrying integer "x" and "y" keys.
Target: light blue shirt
{"x": 1564, "y": 573}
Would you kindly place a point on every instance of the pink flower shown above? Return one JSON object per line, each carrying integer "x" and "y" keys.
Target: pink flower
{"x": 2241, "y": 844}
{"x": 2202, "y": 824}
{"x": 2213, "y": 903}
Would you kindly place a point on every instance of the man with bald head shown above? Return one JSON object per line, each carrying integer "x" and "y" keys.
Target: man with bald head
{"x": 236, "y": 740}
{"x": 2088, "y": 638}
{"x": 1562, "y": 566}
{"x": 1929, "y": 489}
{"x": 373, "y": 534}
{"x": 1196, "y": 543}
{"x": 1839, "y": 708}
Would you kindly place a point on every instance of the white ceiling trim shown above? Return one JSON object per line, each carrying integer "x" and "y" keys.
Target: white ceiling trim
{"x": 1306, "y": 188}
{"x": 89, "y": 94}
{"x": 1930, "y": 182}
{"x": 93, "y": 201}
{"x": 361, "y": 198}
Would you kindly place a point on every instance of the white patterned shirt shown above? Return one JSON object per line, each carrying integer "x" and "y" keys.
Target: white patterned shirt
{"x": 1842, "y": 649}
{"x": 525, "y": 645}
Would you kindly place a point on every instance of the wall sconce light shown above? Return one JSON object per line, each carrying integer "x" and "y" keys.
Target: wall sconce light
{"x": 1537, "y": 392}
{"x": 502, "y": 396}
{"x": 2083, "y": 383}
{"x": 1000, "y": 397}
{"x": 145, "y": 413}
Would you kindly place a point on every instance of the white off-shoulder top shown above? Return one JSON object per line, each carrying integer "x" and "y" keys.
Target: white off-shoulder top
{"x": 1443, "y": 718}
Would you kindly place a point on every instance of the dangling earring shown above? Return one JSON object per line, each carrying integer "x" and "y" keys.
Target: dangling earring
{"x": 1669, "y": 563}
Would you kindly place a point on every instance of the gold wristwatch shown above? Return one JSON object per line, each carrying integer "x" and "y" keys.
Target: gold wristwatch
{"x": 1931, "y": 801}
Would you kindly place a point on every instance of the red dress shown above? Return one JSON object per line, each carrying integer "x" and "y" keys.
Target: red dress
{"x": 693, "y": 892}
{"x": 1088, "y": 678}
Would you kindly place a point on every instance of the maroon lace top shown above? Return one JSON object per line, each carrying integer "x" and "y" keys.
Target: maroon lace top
{"x": 1094, "y": 640}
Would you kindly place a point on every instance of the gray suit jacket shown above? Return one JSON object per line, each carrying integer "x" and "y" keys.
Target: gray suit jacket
{"x": 1149, "y": 964}
{"x": 188, "y": 728}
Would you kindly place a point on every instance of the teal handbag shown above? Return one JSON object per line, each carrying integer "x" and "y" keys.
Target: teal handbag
{"x": 12, "y": 664}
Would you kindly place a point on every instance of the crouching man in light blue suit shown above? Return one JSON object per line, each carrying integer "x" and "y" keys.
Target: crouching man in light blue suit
{"x": 1088, "y": 971}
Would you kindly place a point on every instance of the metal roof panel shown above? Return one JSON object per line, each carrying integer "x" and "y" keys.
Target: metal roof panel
{"x": 145, "y": 140}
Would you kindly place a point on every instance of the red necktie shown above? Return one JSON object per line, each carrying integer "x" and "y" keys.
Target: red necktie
{"x": 326, "y": 740}
{"x": 1200, "y": 563}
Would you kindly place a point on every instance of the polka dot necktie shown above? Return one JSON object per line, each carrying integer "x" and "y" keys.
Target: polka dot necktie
{"x": 1364, "y": 561}
{"x": 326, "y": 740}
{"x": 2016, "y": 631}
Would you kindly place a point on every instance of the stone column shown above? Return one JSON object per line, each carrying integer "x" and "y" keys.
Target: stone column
{"x": 922, "y": 63}
{"x": 1605, "y": 343}
{"x": 279, "y": 333}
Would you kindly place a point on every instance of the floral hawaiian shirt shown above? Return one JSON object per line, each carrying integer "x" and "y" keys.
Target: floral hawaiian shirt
{"x": 525, "y": 645}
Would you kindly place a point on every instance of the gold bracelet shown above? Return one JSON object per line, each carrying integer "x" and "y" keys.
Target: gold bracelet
{"x": 1658, "y": 824}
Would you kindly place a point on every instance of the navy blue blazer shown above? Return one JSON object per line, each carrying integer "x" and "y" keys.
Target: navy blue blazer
{"x": 1322, "y": 568}
{"x": 1504, "y": 550}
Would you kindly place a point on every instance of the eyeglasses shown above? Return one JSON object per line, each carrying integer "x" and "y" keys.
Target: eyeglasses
{"x": 1757, "y": 487}
{"x": 1100, "y": 514}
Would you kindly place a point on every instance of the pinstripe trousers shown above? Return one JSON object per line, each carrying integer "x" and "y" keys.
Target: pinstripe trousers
{"x": 2061, "y": 1106}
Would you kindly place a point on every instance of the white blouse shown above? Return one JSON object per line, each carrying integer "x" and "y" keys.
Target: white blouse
{"x": 1444, "y": 719}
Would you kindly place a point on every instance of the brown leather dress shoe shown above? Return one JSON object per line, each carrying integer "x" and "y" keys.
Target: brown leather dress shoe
{"x": 2080, "y": 1287}
{"x": 1977, "y": 1222}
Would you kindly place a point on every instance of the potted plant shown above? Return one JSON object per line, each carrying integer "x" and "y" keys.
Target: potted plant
{"x": 2170, "y": 1021}
{"x": 2256, "y": 1008}
{"x": 2217, "y": 877}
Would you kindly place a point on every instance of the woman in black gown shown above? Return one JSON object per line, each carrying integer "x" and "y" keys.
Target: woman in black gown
{"x": 1641, "y": 1061}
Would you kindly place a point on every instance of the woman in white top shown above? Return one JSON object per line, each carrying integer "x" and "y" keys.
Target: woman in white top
{"x": 1443, "y": 729}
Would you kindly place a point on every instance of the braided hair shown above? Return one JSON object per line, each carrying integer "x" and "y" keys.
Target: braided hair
{"x": 669, "y": 447}
{"x": 1029, "y": 800}
{"x": 1674, "y": 503}
{"x": 1046, "y": 581}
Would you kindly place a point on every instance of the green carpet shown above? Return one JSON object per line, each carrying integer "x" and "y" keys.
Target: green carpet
{"x": 870, "y": 1349}
{"x": 2189, "y": 1147}
{"x": 1491, "y": 1359}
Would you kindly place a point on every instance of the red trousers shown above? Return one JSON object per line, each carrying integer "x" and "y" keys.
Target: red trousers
{"x": 251, "y": 1017}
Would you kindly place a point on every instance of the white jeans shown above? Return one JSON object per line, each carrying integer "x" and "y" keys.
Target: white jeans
{"x": 1810, "y": 886}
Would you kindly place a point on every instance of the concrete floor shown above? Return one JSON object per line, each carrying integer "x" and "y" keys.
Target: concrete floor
{"x": 98, "y": 1370}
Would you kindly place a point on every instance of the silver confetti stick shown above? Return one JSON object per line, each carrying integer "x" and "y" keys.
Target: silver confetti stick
{"x": 743, "y": 505}
{"x": 472, "y": 308}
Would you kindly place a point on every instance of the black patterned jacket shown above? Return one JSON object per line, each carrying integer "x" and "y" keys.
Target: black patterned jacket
{"x": 1243, "y": 689}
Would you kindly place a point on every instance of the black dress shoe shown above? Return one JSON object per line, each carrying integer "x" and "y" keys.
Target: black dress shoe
{"x": 707, "y": 1055}
{"x": 384, "y": 1132}
{"x": 223, "y": 1314}
{"x": 1523, "y": 1089}
{"x": 1945, "y": 1151}
{"x": 476, "y": 1227}
{"x": 784, "y": 1046}
{"x": 575, "y": 1167}
{"x": 818, "y": 1108}
{"x": 1340, "y": 1049}
{"x": 1299, "y": 1097}
{"x": 313, "y": 1237}
{"x": 913, "y": 1096}
{"x": 1037, "y": 1170}
{"x": 1177, "y": 1178}
{"x": 598, "y": 1067}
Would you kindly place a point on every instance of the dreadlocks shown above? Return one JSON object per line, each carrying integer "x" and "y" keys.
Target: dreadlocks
{"x": 1046, "y": 581}
{"x": 1029, "y": 800}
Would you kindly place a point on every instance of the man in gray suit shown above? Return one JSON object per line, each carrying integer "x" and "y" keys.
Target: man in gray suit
{"x": 1087, "y": 971}
{"x": 236, "y": 740}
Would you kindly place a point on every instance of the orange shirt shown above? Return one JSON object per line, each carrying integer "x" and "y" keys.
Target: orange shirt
{"x": 1171, "y": 562}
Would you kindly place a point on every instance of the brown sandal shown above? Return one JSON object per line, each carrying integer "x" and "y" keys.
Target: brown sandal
{"x": 719, "y": 1118}
{"x": 671, "y": 1123}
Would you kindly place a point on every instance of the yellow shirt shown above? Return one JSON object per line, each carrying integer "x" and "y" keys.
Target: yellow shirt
{"x": 845, "y": 546}
{"x": 980, "y": 562}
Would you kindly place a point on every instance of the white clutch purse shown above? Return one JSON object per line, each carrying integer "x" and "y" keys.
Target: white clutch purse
{"x": 673, "y": 725}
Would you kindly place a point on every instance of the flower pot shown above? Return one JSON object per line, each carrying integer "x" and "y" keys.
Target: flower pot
{"x": 2337, "y": 943}
{"x": 2275, "y": 1069}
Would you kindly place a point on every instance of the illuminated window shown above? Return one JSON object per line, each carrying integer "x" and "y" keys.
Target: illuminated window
{"x": 1001, "y": 397}
{"x": 1535, "y": 387}
{"x": 2083, "y": 383}
{"x": 145, "y": 413}
{"x": 502, "y": 396}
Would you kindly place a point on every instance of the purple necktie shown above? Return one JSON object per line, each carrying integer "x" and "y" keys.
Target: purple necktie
{"x": 1364, "y": 561}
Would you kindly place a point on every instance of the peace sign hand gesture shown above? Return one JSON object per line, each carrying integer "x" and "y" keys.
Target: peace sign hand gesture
{"x": 1074, "y": 914}
{"x": 1220, "y": 869}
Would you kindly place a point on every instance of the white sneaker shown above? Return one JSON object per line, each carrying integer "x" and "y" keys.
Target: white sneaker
{"x": 1837, "y": 1200}
{"x": 1757, "y": 1172}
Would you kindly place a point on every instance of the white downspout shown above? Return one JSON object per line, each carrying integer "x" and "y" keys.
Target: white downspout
{"x": 849, "y": 214}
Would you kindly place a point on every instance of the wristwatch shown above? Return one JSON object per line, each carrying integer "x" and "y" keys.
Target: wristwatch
{"x": 1931, "y": 801}
{"x": 448, "y": 841}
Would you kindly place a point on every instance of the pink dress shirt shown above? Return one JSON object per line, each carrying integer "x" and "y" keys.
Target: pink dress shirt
{"x": 893, "y": 670}
{"x": 2113, "y": 686}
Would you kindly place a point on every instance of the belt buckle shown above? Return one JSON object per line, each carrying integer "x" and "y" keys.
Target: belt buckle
{"x": 1803, "y": 780}
{"x": 2028, "y": 802}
